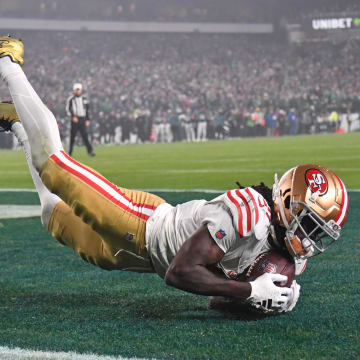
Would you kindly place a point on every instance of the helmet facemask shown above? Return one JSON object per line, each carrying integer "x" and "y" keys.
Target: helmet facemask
{"x": 307, "y": 234}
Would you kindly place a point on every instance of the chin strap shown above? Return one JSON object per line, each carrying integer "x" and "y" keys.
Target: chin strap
{"x": 277, "y": 197}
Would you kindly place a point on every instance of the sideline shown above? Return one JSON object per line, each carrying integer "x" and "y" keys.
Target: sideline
{"x": 20, "y": 354}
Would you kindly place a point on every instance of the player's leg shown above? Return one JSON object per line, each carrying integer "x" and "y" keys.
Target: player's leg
{"x": 47, "y": 200}
{"x": 58, "y": 217}
{"x": 118, "y": 215}
{"x": 71, "y": 231}
{"x": 9, "y": 121}
{"x": 38, "y": 121}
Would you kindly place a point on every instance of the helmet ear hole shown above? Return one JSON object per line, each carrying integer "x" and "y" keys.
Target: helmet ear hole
{"x": 287, "y": 202}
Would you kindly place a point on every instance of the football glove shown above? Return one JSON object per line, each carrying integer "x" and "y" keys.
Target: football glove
{"x": 287, "y": 307}
{"x": 268, "y": 297}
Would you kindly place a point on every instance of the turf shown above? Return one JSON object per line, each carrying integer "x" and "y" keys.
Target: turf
{"x": 215, "y": 164}
{"x": 51, "y": 300}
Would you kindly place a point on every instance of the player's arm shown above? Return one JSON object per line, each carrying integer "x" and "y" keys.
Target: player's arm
{"x": 189, "y": 269}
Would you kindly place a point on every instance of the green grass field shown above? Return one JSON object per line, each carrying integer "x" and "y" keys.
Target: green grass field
{"x": 51, "y": 300}
{"x": 215, "y": 164}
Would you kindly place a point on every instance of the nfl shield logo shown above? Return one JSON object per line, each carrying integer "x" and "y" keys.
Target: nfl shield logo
{"x": 270, "y": 268}
{"x": 220, "y": 234}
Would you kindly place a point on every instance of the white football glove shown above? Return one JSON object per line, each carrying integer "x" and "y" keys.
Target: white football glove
{"x": 268, "y": 297}
{"x": 287, "y": 307}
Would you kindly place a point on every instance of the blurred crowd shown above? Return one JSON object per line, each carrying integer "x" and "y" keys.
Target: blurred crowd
{"x": 140, "y": 10}
{"x": 156, "y": 87}
{"x": 244, "y": 11}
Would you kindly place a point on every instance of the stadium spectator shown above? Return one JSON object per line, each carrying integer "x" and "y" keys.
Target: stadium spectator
{"x": 292, "y": 122}
{"x": 270, "y": 119}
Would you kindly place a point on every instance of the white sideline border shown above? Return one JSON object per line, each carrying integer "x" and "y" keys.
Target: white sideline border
{"x": 7, "y": 353}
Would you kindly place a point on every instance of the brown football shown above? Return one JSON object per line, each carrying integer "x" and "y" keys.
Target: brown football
{"x": 272, "y": 262}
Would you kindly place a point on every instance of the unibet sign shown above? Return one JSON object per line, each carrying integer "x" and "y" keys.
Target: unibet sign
{"x": 335, "y": 23}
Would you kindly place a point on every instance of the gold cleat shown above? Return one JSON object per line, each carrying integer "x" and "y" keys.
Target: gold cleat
{"x": 13, "y": 48}
{"x": 8, "y": 116}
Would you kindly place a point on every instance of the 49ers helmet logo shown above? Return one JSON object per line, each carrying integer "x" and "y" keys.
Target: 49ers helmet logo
{"x": 316, "y": 181}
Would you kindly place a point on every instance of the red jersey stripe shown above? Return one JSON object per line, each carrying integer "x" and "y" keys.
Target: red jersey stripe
{"x": 247, "y": 207}
{"x": 268, "y": 216}
{"x": 107, "y": 182}
{"x": 240, "y": 218}
{"x": 248, "y": 191}
{"x": 97, "y": 188}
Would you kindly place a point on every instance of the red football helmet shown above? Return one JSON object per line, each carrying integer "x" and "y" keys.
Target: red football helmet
{"x": 312, "y": 203}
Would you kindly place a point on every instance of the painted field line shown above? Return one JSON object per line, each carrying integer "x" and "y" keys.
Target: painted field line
{"x": 17, "y": 190}
{"x": 19, "y": 211}
{"x": 20, "y": 354}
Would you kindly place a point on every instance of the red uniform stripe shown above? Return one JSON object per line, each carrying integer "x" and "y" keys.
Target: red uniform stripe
{"x": 107, "y": 182}
{"x": 98, "y": 188}
{"x": 240, "y": 218}
{"x": 247, "y": 207}
{"x": 268, "y": 216}
{"x": 342, "y": 203}
{"x": 248, "y": 191}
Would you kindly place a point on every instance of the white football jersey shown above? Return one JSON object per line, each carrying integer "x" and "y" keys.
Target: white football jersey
{"x": 238, "y": 221}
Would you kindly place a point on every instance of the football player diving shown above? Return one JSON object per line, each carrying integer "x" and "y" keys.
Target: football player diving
{"x": 200, "y": 246}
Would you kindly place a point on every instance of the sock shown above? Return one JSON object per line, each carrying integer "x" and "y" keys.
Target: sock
{"x": 48, "y": 200}
{"x": 38, "y": 121}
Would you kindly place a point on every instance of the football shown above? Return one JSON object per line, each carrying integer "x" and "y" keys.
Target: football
{"x": 272, "y": 262}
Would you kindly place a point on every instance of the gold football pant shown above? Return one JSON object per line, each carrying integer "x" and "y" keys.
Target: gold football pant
{"x": 103, "y": 223}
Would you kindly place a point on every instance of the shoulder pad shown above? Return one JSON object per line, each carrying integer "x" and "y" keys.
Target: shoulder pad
{"x": 250, "y": 211}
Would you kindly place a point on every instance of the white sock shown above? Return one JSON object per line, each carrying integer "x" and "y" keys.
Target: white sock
{"x": 38, "y": 121}
{"x": 48, "y": 200}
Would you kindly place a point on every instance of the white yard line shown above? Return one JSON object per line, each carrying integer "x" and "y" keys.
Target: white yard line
{"x": 19, "y": 211}
{"x": 20, "y": 354}
{"x": 17, "y": 190}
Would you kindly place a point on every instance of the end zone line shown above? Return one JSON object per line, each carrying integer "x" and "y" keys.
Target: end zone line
{"x": 20, "y": 354}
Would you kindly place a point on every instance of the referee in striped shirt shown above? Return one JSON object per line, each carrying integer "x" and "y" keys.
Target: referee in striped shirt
{"x": 77, "y": 107}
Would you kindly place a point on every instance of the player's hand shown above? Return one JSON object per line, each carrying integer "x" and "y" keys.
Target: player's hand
{"x": 87, "y": 123}
{"x": 287, "y": 307}
{"x": 266, "y": 295}
{"x": 75, "y": 119}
